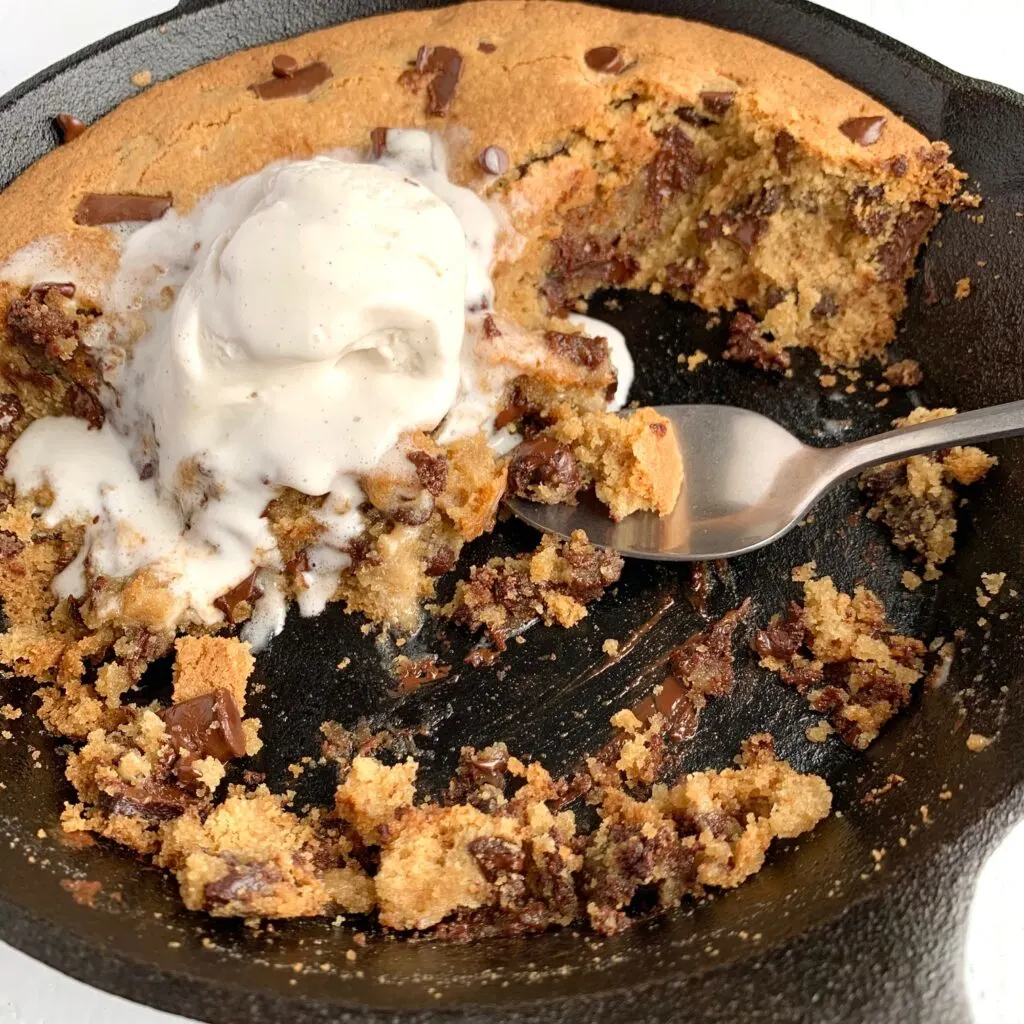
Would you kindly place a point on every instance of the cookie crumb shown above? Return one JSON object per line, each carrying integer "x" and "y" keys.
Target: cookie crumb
{"x": 819, "y": 732}
{"x": 610, "y": 647}
{"x": 805, "y": 572}
{"x": 993, "y": 581}
{"x": 976, "y": 742}
{"x": 963, "y": 289}
{"x": 142, "y": 78}
{"x": 910, "y": 580}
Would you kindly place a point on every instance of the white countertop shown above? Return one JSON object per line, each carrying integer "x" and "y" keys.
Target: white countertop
{"x": 981, "y": 39}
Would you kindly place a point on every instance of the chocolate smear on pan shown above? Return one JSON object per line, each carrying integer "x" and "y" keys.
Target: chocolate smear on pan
{"x": 98, "y": 208}
{"x": 300, "y": 82}
{"x": 865, "y": 131}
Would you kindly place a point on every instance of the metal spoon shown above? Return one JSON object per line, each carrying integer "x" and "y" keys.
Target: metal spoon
{"x": 747, "y": 481}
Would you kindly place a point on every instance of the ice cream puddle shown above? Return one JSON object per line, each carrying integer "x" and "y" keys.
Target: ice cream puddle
{"x": 296, "y": 324}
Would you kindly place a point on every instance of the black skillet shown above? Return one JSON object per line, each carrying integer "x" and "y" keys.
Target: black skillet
{"x": 819, "y": 934}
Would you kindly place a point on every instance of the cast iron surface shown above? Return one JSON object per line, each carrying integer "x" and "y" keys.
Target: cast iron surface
{"x": 837, "y": 940}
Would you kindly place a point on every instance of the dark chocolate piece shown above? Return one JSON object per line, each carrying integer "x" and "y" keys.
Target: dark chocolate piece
{"x": 865, "y": 131}
{"x": 606, "y": 60}
{"x": 494, "y": 160}
{"x": 70, "y": 127}
{"x": 96, "y": 208}
{"x": 299, "y": 83}
{"x": 206, "y": 726}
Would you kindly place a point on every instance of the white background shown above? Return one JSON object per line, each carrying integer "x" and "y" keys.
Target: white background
{"x": 982, "y": 38}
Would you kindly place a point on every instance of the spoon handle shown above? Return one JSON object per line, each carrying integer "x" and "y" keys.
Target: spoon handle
{"x": 978, "y": 425}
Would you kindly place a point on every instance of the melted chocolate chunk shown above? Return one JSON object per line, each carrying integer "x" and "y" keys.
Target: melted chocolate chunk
{"x": 150, "y": 800}
{"x": 300, "y": 82}
{"x": 782, "y": 638}
{"x": 580, "y": 349}
{"x": 674, "y": 169}
{"x": 748, "y": 345}
{"x": 441, "y": 561}
{"x": 10, "y": 545}
{"x": 242, "y": 883}
{"x": 494, "y": 160}
{"x": 544, "y": 464}
{"x": 704, "y": 661}
{"x": 785, "y": 147}
{"x": 432, "y": 470}
{"x": 606, "y": 60}
{"x": 867, "y": 210}
{"x": 865, "y": 131}
{"x": 206, "y": 726}
{"x": 237, "y": 603}
{"x": 41, "y": 318}
{"x": 497, "y": 857}
{"x": 97, "y": 208}
{"x": 81, "y": 403}
{"x": 444, "y": 65}
{"x": 70, "y": 127}
{"x": 11, "y": 410}
{"x": 717, "y": 103}
{"x": 284, "y": 66}
{"x": 896, "y": 255}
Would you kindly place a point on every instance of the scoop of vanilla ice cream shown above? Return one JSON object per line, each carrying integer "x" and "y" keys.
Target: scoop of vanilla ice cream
{"x": 323, "y": 317}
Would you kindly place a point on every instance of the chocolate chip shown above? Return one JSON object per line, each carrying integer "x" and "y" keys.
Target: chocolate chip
{"x": 491, "y": 329}
{"x": 151, "y": 801}
{"x": 378, "y": 142}
{"x": 868, "y": 211}
{"x": 497, "y": 857}
{"x": 783, "y": 638}
{"x": 865, "y": 131}
{"x": 445, "y": 64}
{"x": 773, "y": 296}
{"x": 543, "y": 469}
{"x": 241, "y": 886}
{"x": 299, "y": 83}
{"x": 897, "y": 166}
{"x": 284, "y": 66}
{"x": 244, "y": 593}
{"x": 441, "y": 561}
{"x": 674, "y": 169}
{"x": 81, "y": 403}
{"x": 580, "y": 349}
{"x": 825, "y": 307}
{"x": 485, "y": 47}
{"x": 65, "y": 288}
{"x": 693, "y": 116}
{"x": 432, "y": 470}
{"x": 685, "y": 276}
{"x": 717, "y": 103}
{"x": 96, "y": 208}
{"x": 70, "y": 127}
{"x": 785, "y": 146}
{"x": 206, "y": 726}
{"x": 606, "y": 60}
{"x": 494, "y": 160}
{"x": 11, "y": 410}
{"x": 298, "y": 563}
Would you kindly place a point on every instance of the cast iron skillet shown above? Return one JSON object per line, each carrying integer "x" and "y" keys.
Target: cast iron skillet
{"x": 819, "y": 932}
